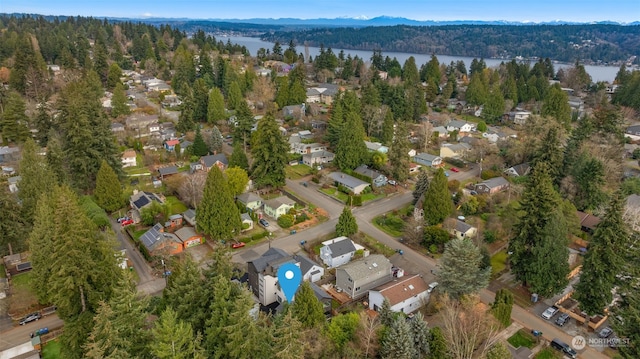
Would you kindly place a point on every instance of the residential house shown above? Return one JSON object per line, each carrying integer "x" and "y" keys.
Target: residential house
{"x": 457, "y": 150}
{"x": 167, "y": 131}
{"x": 7, "y": 171}
{"x": 305, "y": 135}
{"x": 463, "y": 127}
{"x": 632, "y": 208}
{"x": 357, "y": 277}
{"x": 278, "y": 206}
{"x": 247, "y": 222}
{"x": 459, "y": 228}
{"x": 412, "y": 153}
{"x": 376, "y": 147}
{"x": 337, "y": 251}
{"x": 171, "y": 101}
{"x": 405, "y": 294}
{"x": 519, "y": 117}
{"x": 493, "y": 185}
{"x": 522, "y": 169}
{"x": 189, "y": 237}
{"x": 219, "y": 160}
{"x": 140, "y": 200}
{"x": 295, "y": 111}
{"x": 353, "y": 184}
{"x": 317, "y": 158}
{"x": 129, "y": 159}
{"x": 139, "y": 121}
{"x": 117, "y": 128}
{"x": 440, "y": 132}
{"x": 263, "y": 274}
{"x": 190, "y": 216}
{"x": 577, "y": 105}
{"x": 154, "y": 128}
{"x": 167, "y": 171}
{"x": 324, "y": 297}
{"x": 322, "y": 93}
{"x": 195, "y": 166}
{"x": 588, "y": 222}
{"x": 250, "y": 200}
{"x": 377, "y": 178}
{"x": 13, "y": 183}
{"x": 428, "y": 160}
{"x": 8, "y": 154}
{"x": 170, "y": 145}
{"x": 494, "y": 134}
{"x": 458, "y": 106}
{"x": 633, "y": 132}
{"x": 157, "y": 242}
{"x": 414, "y": 168}
{"x": 304, "y": 148}
{"x": 319, "y": 125}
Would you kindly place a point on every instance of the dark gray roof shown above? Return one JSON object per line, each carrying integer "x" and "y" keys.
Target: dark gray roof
{"x": 273, "y": 254}
{"x": 245, "y": 217}
{"x": 341, "y": 247}
{"x": 248, "y": 197}
{"x": 366, "y": 171}
{"x": 633, "y": 130}
{"x": 144, "y": 199}
{"x": 305, "y": 263}
{"x": 456, "y": 123}
{"x": 169, "y": 170}
{"x": 212, "y": 159}
{"x": 319, "y": 292}
{"x": 152, "y": 236}
{"x": 458, "y": 225}
{"x": 426, "y": 156}
{"x": 318, "y": 154}
{"x": 347, "y": 180}
{"x": 495, "y": 182}
{"x": 190, "y": 213}
{"x": 364, "y": 267}
{"x": 521, "y": 169}
{"x": 141, "y": 202}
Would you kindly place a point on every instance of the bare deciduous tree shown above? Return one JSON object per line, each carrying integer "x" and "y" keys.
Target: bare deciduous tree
{"x": 367, "y": 334}
{"x": 468, "y": 327}
{"x": 424, "y": 132}
{"x": 191, "y": 189}
{"x": 413, "y": 230}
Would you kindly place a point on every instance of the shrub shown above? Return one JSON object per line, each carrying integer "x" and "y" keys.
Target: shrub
{"x": 434, "y": 235}
{"x": 490, "y": 236}
{"x": 433, "y": 249}
{"x": 285, "y": 221}
{"x": 257, "y": 236}
{"x": 453, "y": 185}
{"x": 455, "y": 162}
{"x": 487, "y": 174}
{"x": 356, "y": 200}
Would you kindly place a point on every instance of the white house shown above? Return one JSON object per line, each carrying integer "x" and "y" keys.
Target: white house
{"x": 278, "y": 206}
{"x": 460, "y": 126}
{"x": 13, "y": 183}
{"x": 376, "y": 147}
{"x": 405, "y": 294}
{"x": 353, "y": 184}
{"x": 129, "y": 158}
{"x": 337, "y": 251}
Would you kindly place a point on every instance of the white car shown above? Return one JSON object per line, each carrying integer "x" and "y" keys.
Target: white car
{"x": 432, "y": 286}
{"x": 549, "y": 312}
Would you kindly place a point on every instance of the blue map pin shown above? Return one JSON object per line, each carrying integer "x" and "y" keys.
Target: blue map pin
{"x": 289, "y": 276}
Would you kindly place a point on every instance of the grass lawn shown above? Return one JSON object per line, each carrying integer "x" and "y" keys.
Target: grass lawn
{"x": 175, "y": 206}
{"x": 522, "y": 339}
{"x": 51, "y": 350}
{"x": 335, "y": 193}
{"x": 297, "y": 171}
{"x": 498, "y": 262}
{"x": 136, "y": 171}
{"x": 390, "y": 224}
{"x": 22, "y": 280}
{"x": 137, "y": 234}
{"x": 376, "y": 246}
{"x": 548, "y": 353}
{"x": 371, "y": 196}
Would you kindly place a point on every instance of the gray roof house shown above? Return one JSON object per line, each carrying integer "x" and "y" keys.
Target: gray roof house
{"x": 353, "y": 184}
{"x": 338, "y": 252}
{"x": 317, "y": 158}
{"x": 518, "y": 170}
{"x": 278, "y": 206}
{"x": 427, "y": 159}
{"x": 250, "y": 200}
{"x": 190, "y": 216}
{"x": 633, "y": 132}
{"x": 8, "y": 153}
{"x": 219, "y": 160}
{"x": 356, "y": 278}
{"x": 167, "y": 171}
{"x": 377, "y": 178}
{"x": 459, "y": 228}
{"x": 493, "y": 185}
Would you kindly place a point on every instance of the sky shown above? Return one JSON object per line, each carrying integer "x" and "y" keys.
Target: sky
{"x": 623, "y": 11}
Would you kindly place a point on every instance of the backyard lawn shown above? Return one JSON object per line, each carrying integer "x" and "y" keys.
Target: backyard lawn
{"x": 389, "y": 223}
{"x": 297, "y": 171}
{"x": 51, "y": 350}
{"x": 498, "y": 263}
{"x": 175, "y": 206}
{"x": 522, "y": 339}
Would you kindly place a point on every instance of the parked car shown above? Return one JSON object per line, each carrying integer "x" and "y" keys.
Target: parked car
{"x": 454, "y": 169}
{"x": 562, "y": 319}
{"x": 39, "y": 332}
{"x": 446, "y": 173}
{"x": 126, "y": 222}
{"x": 393, "y": 182}
{"x": 122, "y": 219}
{"x": 605, "y": 332}
{"x": 237, "y": 245}
{"x": 33, "y": 317}
{"x": 432, "y": 286}
{"x": 263, "y": 222}
{"x": 549, "y": 312}
{"x": 564, "y": 348}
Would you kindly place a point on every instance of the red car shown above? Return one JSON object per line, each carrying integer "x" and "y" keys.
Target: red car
{"x": 126, "y": 222}
{"x": 453, "y": 169}
{"x": 238, "y": 245}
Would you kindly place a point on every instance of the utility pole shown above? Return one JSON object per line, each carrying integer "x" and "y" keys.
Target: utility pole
{"x": 164, "y": 273}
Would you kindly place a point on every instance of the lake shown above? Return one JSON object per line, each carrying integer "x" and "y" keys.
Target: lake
{"x": 253, "y": 44}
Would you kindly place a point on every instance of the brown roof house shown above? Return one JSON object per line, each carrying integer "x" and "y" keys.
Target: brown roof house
{"x": 405, "y": 294}
{"x": 588, "y": 222}
{"x": 493, "y": 185}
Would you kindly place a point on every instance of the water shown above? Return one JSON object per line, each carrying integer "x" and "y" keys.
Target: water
{"x": 598, "y": 73}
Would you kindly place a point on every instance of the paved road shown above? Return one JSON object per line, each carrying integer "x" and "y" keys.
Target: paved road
{"x": 20, "y": 334}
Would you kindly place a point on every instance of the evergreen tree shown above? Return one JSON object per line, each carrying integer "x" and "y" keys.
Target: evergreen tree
{"x": 215, "y": 141}
{"x": 603, "y": 260}
{"x": 399, "y": 153}
{"x": 113, "y": 76}
{"x": 186, "y": 120}
{"x": 37, "y": 179}
{"x": 437, "y": 203}
{"x": 422, "y": 184}
{"x": 199, "y": 148}
{"x": 461, "y": 272}
{"x": 351, "y": 150}
{"x": 437, "y": 344}
{"x": 501, "y": 307}
{"x": 589, "y": 175}
{"x": 108, "y": 191}
{"x": 56, "y": 158}
{"x": 269, "y": 152}
{"x": 217, "y": 215}
{"x": 188, "y": 294}
{"x": 306, "y": 308}
{"x": 246, "y": 336}
{"x": 119, "y": 101}
{"x": 215, "y": 107}
{"x": 386, "y": 315}
{"x": 174, "y": 339}
{"x": 244, "y": 124}
{"x": 420, "y": 333}
{"x": 234, "y": 97}
{"x": 287, "y": 336}
{"x": 100, "y": 58}
{"x": 531, "y": 245}
{"x": 222, "y": 306}
{"x": 477, "y": 92}
{"x": 556, "y": 105}
{"x": 346, "y": 225}
{"x": 386, "y": 137}
{"x": 625, "y": 318}
{"x": 550, "y": 152}
{"x": 14, "y": 227}
{"x": 43, "y": 123}
{"x": 200, "y": 100}
{"x": 238, "y": 157}
{"x": 185, "y": 70}
{"x": 14, "y": 122}
{"x": 494, "y": 107}
{"x": 336, "y": 123}
{"x": 119, "y": 329}
{"x": 410, "y": 74}
{"x": 397, "y": 342}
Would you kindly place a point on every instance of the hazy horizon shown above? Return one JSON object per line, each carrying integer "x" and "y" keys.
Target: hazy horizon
{"x": 622, "y": 11}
